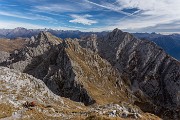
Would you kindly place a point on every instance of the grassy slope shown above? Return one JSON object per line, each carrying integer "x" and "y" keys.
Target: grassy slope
{"x": 10, "y": 45}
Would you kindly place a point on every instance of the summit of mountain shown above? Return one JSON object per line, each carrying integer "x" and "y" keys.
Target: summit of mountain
{"x": 113, "y": 68}
{"x": 70, "y": 70}
{"x": 148, "y": 67}
{"x": 26, "y": 97}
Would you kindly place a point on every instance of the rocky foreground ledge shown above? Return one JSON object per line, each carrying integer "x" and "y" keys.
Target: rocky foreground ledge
{"x": 101, "y": 72}
{"x": 18, "y": 88}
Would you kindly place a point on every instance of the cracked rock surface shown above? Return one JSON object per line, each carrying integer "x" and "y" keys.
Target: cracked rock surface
{"x": 101, "y": 70}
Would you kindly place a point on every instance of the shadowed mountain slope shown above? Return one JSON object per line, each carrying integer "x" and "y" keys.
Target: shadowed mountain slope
{"x": 70, "y": 70}
{"x": 146, "y": 65}
{"x": 114, "y": 68}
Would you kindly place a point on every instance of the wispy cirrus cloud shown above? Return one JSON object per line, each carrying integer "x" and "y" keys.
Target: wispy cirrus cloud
{"x": 70, "y": 6}
{"x": 151, "y": 7}
{"x": 28, "y": 16}
{"x": 153, "y": 13}
{"x": 96, "y": 15}
{"x": 109, "y": 6}
{"x": 82, "y": 19}
{"x": 149, "y": 14}
{"x": 14, "y": 24}
{"x": 56, "y": 8}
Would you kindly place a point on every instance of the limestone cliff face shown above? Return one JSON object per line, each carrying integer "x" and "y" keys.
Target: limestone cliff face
{"x": 45, "y": 58}
{"x": 4, "y": 56}
{"x": 70, "y": 70}
{"x": 89, "y": 42}
{"x": 18, "y": 88}
{"x": 114, "y": 68}
{"x": 38, "y": 47}
{"x": 57, "y": 72}
{"x": 95, "y": 74}
{"x": 147, "y": 66}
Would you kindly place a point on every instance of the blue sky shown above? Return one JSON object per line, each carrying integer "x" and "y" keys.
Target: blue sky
{"x": 92, "y": 15}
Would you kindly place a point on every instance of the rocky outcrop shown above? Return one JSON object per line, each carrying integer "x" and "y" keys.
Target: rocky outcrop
{"x": 15, "y": 83}
{"x": 89, "y": 42}
{"x": 95, "y": 74}
{"x": 18, "y": 88}
{"x": 170, "y": 43}
{"x": 146, "y": 65}
{"x": 38, "y": 47}
{"x": 57, "y": 72}
{"x": 114, "y": 68}
{"x": 25, "y": 97}
{"x": 4, "y": 56}
{"x": 70, "y": 70}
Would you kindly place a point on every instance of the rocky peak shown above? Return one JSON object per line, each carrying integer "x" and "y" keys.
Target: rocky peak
{"x": 46, "y": 37}
{"x": 147, "y": 66}
{"x": 25, "y": 97}
{"x": 114, "y": 34}
{"x": 38, "y": 47}
{"x": 20, "y": 29}
{"x": 71, "y": 43}
{"x": 116, "y": 31}
{"x": 90, "y": 42}
{"x": 71, "y": 71}
{"x": 117, "y": 67}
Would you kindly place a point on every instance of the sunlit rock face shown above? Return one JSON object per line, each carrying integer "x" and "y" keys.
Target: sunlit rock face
{"x": 4, "y": 56}
{"x": 70, "y": 70}
{"x": 114, "y": 68}
{"x": 147, "y": 66}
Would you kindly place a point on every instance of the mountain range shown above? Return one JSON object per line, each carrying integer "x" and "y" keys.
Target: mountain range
{"x": 114, "y": 74}
{"x": 27, "y": 33}
{"x": 170, "y": 43}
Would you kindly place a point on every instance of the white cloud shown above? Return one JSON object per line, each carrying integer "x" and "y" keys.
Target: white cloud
{"x": 153, "y": 12}
{"x": 109, "y": 6}
{"x": 82, "y": 19}
{"x": 152, "y": 7}
{"x": 28, "y": 16}
{"x": 61, "y": 7}
{"x": 150, "y": 13}
{"x": 12, "y": 24}
{"x": 56, "y": 8}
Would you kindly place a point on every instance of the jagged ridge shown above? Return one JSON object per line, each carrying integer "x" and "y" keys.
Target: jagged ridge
{"x": 147, "y": 66}
{"x": 126, "y": 65}
{"x": 70, "y": 71}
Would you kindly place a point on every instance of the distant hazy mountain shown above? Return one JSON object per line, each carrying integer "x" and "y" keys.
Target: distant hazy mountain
{"x": 170, "y": 43}
{"x": 96, "y": 70}
{"x": 23, "y": 32}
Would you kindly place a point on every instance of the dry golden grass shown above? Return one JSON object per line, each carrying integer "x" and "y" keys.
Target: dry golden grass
{"x": 149, "y": 116}
{"x": 145, "y": 117}
{"x": 10, "y": 45}
{"x": 98, "y": 87}
{"x": 5, "y": 110}
{"x": 36, "y": 115}
{"x": 100, "y": 93}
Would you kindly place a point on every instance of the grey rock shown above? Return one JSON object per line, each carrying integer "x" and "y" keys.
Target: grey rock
{"x": 68, "y": 69}
{"x": 4, "y": 56}
{"x": 89, "y": 42}
{"x": 146, "y": 65}
{"x": 118, "y": 66}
